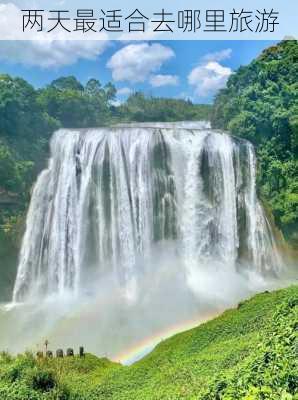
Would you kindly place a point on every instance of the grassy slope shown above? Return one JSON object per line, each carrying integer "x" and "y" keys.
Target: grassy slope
{"x": 185, "y": 366}
{"x": 181, "y": 367}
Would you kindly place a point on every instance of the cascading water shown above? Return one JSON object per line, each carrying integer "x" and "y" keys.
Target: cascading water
{"x": 110, "y": 196}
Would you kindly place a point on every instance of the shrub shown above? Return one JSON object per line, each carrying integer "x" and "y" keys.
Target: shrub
{"x": 40, "y": 379}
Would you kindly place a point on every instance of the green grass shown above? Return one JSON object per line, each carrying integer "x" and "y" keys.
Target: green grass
{"x": 246, "y": 353}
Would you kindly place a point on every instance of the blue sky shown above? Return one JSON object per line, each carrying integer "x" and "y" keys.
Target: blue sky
{"x": 185, "y": 69}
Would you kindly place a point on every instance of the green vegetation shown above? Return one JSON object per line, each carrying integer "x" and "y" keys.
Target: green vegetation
{"x": 151, "y": 109}
{"x": 28, "y": 378}
{"x": 72, "y": 105}
{"x": 260, "y": 104}
{"x": 247, "y": 353}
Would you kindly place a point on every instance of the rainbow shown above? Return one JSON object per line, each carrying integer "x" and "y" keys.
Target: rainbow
{"x": 144, "y": 347}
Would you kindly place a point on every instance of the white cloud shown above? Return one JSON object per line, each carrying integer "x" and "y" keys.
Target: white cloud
{"x": 11, "y": 26}
{"x": 210, "y": 76}
{"x": 50, "y": 53}
{"x": 125, "y": 91}
{"x": 218, "y": 55}
{"x": 164, "y": 80}
{"x": 9, "y": 15}
{"x": 136, "y": 62}
{"x": 40, "y": 50}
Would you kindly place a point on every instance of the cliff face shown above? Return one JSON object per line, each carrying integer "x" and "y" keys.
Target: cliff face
{"x": 10, "y": 238}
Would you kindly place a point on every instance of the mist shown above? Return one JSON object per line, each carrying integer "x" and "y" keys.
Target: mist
{"x": 108, "y": 322}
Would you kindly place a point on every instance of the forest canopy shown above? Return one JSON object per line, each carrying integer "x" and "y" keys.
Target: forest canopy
{"x": 260, "y": 104}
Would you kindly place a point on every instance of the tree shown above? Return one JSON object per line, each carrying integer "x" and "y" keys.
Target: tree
{"x": 260, "y": 104}
{"x": 67, "y": 83}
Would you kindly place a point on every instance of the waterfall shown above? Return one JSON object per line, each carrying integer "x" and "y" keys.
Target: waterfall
{"x": 110, "y": 196}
